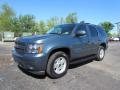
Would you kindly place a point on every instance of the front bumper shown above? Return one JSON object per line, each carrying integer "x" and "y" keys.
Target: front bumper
{"x": 34, "y": 63}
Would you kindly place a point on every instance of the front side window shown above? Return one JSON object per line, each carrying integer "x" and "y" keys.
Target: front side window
{"x": 81, "y": 28}
{"x": 62, "y": 29}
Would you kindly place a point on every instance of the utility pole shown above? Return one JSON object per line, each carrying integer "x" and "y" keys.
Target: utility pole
{"x": 118, "y": 28}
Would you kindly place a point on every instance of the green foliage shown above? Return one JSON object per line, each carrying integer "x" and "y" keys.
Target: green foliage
{"x": 6, "y": 15}
{"x": 113, "y": 35}
{"x": 107, "y": 26}
{"x": 52, "y": 22}
{"x": 110, "y": 35}
{"x": 27, "y": 23}
{"x": 15, "y": 25}
{"x": 24, "y": 23}
{"x": 71, "y": 18}
{"x": 42, "y": 27}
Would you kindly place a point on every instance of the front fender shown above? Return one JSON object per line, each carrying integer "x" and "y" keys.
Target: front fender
{"x": 53, "y": 46}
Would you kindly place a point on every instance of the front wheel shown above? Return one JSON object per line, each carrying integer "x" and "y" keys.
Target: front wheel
{"x": 100, "y": 54}
{"x": 57, "y": 65}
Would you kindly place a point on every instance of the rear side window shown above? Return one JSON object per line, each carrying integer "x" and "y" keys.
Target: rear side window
{"x": 102, "y": 32}
{"x": 93, "y": 31}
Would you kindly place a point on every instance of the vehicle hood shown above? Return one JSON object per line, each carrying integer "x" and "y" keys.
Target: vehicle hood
{"x": 36, "y": 38}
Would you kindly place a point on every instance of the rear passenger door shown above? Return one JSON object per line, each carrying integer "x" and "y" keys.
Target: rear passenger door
{"x": 94, "y": 39}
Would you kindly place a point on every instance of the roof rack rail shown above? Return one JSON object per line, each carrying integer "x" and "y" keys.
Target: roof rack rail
{"x": 87, "y": 23}
{"x": 82, "y": 22}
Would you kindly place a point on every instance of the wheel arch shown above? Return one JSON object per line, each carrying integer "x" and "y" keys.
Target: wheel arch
{"x": 104, "y": 45}
{"x": 63, "y": 49}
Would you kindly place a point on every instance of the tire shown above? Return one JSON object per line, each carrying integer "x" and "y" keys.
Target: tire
{"x": 100, "y": 54}
{"x": 54, "y": 67}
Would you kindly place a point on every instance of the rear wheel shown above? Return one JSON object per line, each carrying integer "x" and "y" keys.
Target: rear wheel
{"x": 57, "y": 65}
{"x": 101, "y": 53}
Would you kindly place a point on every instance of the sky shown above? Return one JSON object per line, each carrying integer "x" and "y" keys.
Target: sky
{"x": 92, "y": 11}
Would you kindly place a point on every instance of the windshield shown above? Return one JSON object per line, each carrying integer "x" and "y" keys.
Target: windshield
{"x": 62, "y": 29}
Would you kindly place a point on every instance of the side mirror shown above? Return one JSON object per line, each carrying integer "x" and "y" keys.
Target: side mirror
{"x": 80, "y": 33}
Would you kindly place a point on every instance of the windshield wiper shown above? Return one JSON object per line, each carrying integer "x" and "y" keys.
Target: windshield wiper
{"x": 54, "y": 33}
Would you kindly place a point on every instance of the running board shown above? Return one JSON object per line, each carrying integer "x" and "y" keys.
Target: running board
{"x": 80, "y": 60}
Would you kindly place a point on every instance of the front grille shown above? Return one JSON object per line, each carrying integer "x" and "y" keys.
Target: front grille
{"x": 20, "y": 47}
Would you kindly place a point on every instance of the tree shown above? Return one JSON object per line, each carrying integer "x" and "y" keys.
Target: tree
{"x": 108, "y": 26}
{"x": 71, "y": 18}
{"x": 23, "y": 23}
{"x": 114, "y": 35}
{"x": 62, "y": 20}
{"x": 52, "y": 22}
{"x": 27, "y": 23}
{"x": 42, "y": 27}
{"x": 6, "y": 15}
{"x": 15, "y": 25}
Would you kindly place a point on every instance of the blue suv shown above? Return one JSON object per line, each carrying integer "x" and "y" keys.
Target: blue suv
{"x": 60, "y": 46}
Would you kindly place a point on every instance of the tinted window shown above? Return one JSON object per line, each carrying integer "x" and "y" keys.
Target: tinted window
{"x": 62, "y": 29}
{"x": 81, "y": 27}
{"x": 101, "y": 31}
{"x": 93, "y": 31}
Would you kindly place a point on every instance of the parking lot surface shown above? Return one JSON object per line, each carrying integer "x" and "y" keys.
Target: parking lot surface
{"x": 93, "y": 75}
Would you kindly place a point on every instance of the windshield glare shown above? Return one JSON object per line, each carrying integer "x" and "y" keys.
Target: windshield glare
{"x": 61, "y": 29}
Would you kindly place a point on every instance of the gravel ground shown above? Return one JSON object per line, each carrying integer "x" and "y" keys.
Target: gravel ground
{"x": 103, "y": 75}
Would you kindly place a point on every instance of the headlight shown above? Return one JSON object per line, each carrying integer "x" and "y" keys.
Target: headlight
{"x": 35, "y": 48}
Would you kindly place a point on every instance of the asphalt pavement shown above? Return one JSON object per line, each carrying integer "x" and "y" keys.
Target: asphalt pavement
{"x": 91, "y": 75}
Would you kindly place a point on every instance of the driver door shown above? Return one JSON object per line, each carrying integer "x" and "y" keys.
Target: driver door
{"x": 81, "y": 45}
